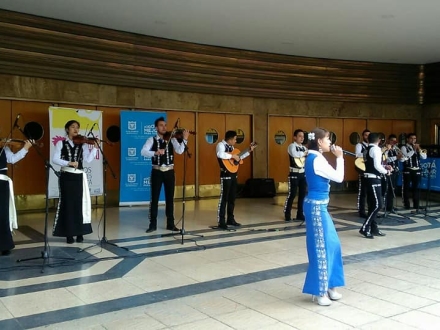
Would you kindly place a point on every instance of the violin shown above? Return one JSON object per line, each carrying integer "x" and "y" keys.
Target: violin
{"x": 177, "y": 133}
{"x": 81, "y": 139}
{"x": 16, "y": 143}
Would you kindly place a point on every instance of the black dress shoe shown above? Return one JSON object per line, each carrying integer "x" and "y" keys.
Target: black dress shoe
{"x": 173, "y": 228}
{"x": 6, "y": 252}
{"x": 79, "y": 238}
{"x": 223, "y": 226}
{"x": 287, "y": 219}
{"x": 366, "y": 234}
{"x": 233, "y": 223}
{"x": 363, "y": 215}
{"x": 378, "y": 233}
{"x": 300, "y": 218}
{"x": 150, "y": 229}
{"x": 70, "y": 240}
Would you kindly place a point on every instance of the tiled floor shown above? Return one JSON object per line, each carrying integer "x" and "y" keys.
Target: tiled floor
{"x": 250, "y": 278}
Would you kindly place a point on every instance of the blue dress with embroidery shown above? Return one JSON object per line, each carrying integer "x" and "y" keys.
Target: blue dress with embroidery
{"x": 325, "y": 268}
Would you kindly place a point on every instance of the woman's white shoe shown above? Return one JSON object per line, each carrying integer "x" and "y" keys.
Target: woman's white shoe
{"x": 334, "y": 295}
{"x": 322, "y": 300}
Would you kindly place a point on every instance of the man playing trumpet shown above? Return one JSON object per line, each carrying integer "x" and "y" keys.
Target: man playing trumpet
{"x": 412, "y": 170}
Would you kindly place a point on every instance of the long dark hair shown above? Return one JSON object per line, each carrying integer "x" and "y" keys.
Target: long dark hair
{"x": 320, "y": 133}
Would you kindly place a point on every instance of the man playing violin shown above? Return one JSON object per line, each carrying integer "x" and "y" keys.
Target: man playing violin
{"x": 228, "y": 180}
{"x": 8, "y": 215}
{"x": 296, "y": 177}
{"x": 411, "y": 170}
{"x": 73, "y": 216}
{"x": 160, "y": 149}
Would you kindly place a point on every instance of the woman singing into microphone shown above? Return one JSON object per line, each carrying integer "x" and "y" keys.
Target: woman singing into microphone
{"x": 325, "y": 271}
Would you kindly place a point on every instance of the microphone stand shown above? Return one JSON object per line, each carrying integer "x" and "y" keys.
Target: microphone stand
{"x": 106, "y": 165}
{"x": 45, "y": 253}
{"x": 186, "y": 155}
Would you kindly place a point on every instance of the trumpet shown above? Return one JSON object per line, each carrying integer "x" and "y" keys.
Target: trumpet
{"x": 395, "y": 148}
{"x": 417, "y": 148}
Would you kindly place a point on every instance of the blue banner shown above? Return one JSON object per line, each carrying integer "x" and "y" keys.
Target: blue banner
{"x": 136, "y": 128}
{"x": 429, "y": 170}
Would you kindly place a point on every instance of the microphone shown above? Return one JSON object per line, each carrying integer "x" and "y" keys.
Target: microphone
{"x": 16, "y": 121}
{"x": 90, "y": 132}
{"x": 345, "y": 152}
{"x": 349, "y": 153}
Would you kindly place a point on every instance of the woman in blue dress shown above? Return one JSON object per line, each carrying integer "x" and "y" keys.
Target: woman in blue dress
{"x": 325, "y": 271}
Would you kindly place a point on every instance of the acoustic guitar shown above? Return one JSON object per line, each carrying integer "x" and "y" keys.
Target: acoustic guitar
{"x": 360, "y": 164}
{"x": 231, "y": 164}
{"x": 299, "y": 161}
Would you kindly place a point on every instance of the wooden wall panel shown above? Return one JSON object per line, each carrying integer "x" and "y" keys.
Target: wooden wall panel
{"x": 188, "y": 121}
{"x": 304, "y": 123}
{"x": 6, "y": 122}
{"x": 278, "y": 162}
{"x": 243, "y": 122}
{"x": 350, "y": 126}
{"x": 29, "y": 174}
{"x": 380, "y": 126}
{"x": 112, "y": 151}
{"x": 403, "y": 126}
{"x": 6, "y": 118}
{"x": 208, "y": 167}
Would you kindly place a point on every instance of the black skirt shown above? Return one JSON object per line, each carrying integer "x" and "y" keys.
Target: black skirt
{"x": 6, "y": 242}
{"x": 69, "y": 215}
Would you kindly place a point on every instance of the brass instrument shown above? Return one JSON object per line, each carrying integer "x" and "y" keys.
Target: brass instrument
{"x": 397, "y": 150}
{"x": 422, "y": 151}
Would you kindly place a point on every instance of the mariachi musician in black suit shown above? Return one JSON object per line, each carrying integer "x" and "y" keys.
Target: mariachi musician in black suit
{"x": 297, "y": 179}
{"x": 411, "y": 170}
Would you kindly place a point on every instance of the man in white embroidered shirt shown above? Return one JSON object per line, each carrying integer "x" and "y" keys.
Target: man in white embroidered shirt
{"x": 373, "y": 171}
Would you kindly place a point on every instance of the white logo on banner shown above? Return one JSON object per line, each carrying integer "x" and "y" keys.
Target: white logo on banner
{"x": 131, "y": 125}
{"x": 146, "y": 181}
{"x": 429, "y": 169}
{"x": 131, "y": 178}
{"x": 131, "y": 152}
{"x": 150, "y": 129}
